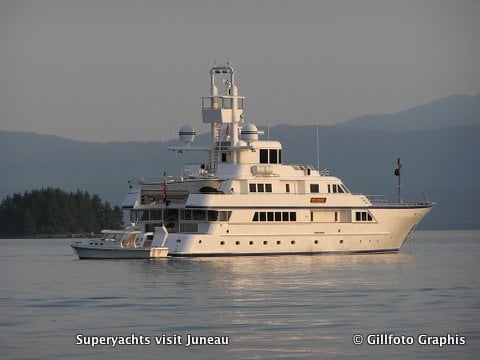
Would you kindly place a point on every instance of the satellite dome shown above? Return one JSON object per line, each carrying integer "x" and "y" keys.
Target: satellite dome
{"x": 249, "y": 132}
{"x": 186, "y": 134}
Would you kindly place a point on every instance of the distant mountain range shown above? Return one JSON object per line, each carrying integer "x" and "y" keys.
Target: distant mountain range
{"x": 440, "y": 158}
{"x": 455, "y": 110}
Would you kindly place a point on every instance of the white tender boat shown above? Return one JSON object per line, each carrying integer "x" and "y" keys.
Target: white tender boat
{"x": 244, "y": 201}
{"x": 123, "y": 244}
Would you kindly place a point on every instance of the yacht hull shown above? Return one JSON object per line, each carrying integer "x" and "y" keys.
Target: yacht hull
{"x": 387, "y": 235}
{"x": 91, "y": 252}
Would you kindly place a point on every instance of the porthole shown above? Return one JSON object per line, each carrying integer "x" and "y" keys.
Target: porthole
{"x": 250, "y": 243}
{"x": 316, "y": 242}
{"x": 237, "y": 242}
{"x": 222, "y": 242}
{"x": 292, "y": 242}
{"x": 341, "y": 241}
{"x": 265, "y": 242}
{"x": 179, "y": 240}
{"x": 199, "y": 241}
{"x": 278, "y": 242}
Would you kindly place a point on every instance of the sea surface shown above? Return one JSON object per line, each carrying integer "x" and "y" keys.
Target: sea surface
{"x": 54, "y": 306}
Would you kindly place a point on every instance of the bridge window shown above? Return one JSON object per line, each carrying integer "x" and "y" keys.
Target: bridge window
{"x": 263, "y": 156}
{"x": 273, "y": 156}
{"x": 270, "y": 156}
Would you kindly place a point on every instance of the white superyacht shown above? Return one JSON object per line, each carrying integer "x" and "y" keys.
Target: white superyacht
{"x": 245, "y": 201}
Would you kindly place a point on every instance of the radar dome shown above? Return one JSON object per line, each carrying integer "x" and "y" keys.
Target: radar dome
{"x": 249, "y": 132}
{"x": 186, "y": 134}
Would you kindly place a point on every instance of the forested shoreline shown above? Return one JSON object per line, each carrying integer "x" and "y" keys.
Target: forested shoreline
{"x": 54, "y": 212}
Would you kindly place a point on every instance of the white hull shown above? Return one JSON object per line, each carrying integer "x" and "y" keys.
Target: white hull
{"x": 304, "y": 238}
{"x": 85, "y": 252}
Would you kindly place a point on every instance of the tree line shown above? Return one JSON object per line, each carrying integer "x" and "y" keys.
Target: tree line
{"x": 54, "y": 211}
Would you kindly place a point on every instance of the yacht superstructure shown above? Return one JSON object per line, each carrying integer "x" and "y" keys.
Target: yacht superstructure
{"x": 245, "y": 201}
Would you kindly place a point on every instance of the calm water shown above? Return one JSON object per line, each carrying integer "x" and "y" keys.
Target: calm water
{"x": 291, "y": 307}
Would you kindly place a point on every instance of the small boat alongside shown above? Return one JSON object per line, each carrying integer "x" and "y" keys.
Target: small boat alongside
{"x": 124, "y": 244}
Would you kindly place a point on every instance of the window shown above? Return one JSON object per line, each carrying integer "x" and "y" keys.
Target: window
{"x": 260, "y": 187}
{"x": 155, "y": 214}
{"x": 336, "y": 189}
{"x": 263, "y": 156}
{"x": 270, "y": 156}
{"x": 274, "y": 216}
{"x": 224, "y": 215}
{"x": 212, "y": 215}
{"x": 273, "y": 156}
{"x": 278, "y": 216}
{"x": 199, "y": 215}
{"x": 287, "y": 188}
{"x": 314, "y": 188}
{"x": 189, "y": 227}
{"x": 224, "y": 157}
{"x": 363, "y": 216}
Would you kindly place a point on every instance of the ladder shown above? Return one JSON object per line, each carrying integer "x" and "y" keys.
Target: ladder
{"x": 217, "y": 143}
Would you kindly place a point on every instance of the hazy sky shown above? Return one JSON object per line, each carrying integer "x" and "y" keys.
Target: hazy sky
{"x": 105, "y": 70}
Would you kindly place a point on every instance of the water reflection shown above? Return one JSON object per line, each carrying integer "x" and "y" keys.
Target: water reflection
{"x": 287, "y": 272}
{"x": 271, "y": 307}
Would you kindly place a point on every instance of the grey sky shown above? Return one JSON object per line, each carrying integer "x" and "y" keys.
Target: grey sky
{"x": 109, "y": 70}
